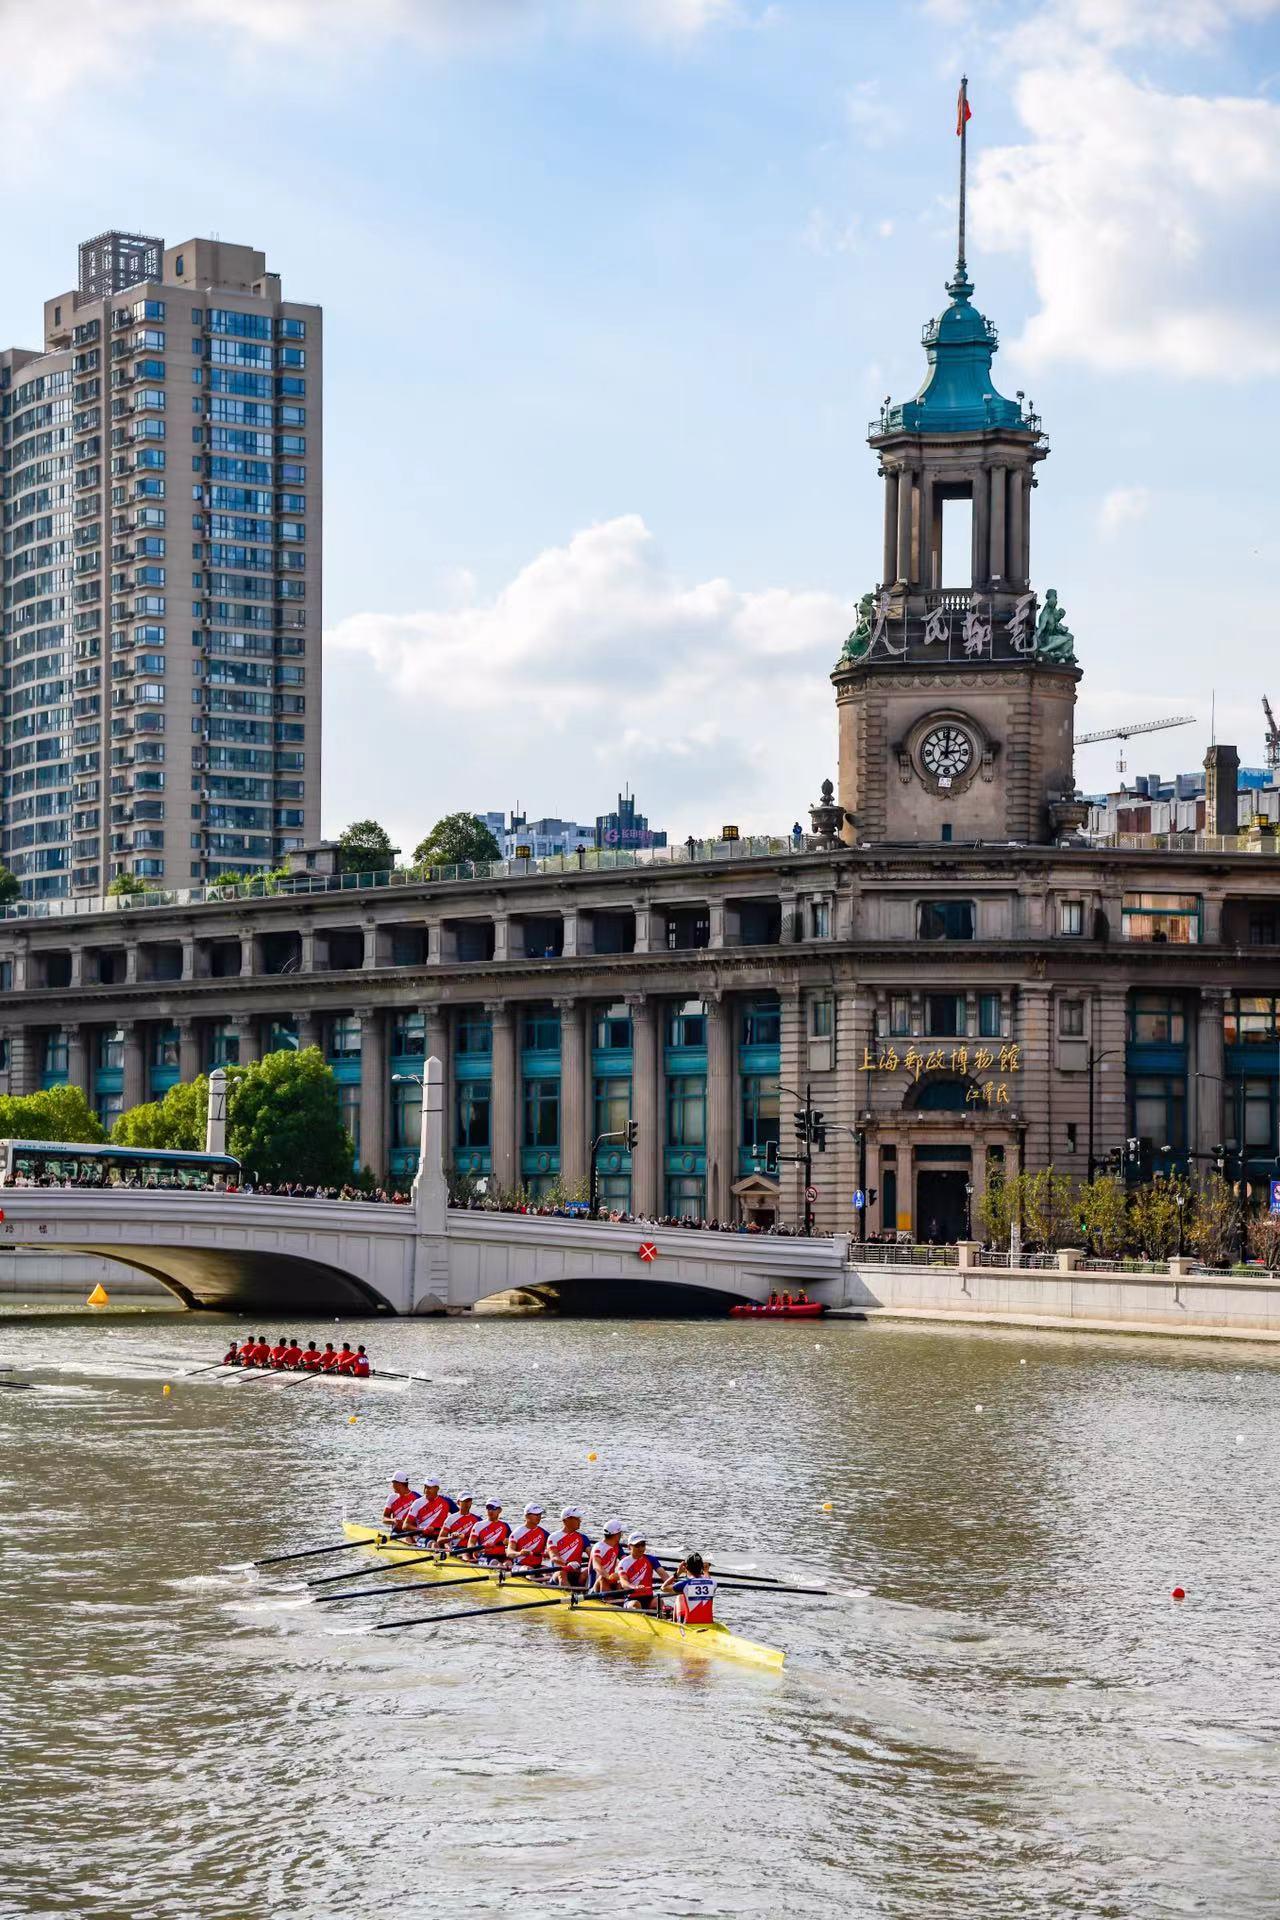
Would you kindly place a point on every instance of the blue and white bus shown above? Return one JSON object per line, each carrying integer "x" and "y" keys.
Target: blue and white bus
{"x": 65, "y": 1163}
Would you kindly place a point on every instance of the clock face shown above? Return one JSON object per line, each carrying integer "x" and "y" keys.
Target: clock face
{"x": 946, "y": 752}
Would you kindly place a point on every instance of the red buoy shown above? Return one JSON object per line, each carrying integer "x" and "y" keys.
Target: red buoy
{"x": 1179, "y": 1593}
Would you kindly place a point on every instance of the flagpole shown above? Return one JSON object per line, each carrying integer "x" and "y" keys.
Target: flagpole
{"x": 963, "y": 131}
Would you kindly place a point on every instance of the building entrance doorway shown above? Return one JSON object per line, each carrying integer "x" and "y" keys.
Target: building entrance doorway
{"x": 940, "y": 1205}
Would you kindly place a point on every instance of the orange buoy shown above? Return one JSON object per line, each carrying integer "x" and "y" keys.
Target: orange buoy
{"x": 99, "y": 1297}
{"x": 1179, "y": 1593}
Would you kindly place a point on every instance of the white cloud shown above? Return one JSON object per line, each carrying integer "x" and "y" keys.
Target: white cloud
{"x": 593, "y": 664}
{"x": 1151, "y": 218}
{"x": 1121, "y": 507}
{"x": 872, "y": 118}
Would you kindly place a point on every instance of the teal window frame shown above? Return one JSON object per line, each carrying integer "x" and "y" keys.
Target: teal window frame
{"x": 611, "y": 1104}
{"x": 613, "y": 1028}
{"x": 471, "y": 1114}
{"x": 541, "y": 1115}
{"x": 761, "y": 1113}
{"x": 406, "y": 1115}
{"x": 687, "y": 1024}
{"x": 687, "y": 1110}
{"x": 761, "y": 1024}
{"x": 473, "y": 1033}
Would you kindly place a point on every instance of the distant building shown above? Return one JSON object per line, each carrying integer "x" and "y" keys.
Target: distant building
{"x": 541, "y": 838}
{"x": 1154, "y": 804}
{"x": 626, "y": 827}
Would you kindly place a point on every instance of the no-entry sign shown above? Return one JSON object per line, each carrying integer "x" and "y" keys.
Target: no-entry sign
{"x": 648, "y": 1252}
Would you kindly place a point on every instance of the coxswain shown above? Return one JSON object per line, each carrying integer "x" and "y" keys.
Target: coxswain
{"x": 527, "y": 1545}
{"x": 489, "y": 1540}
{"x": 231, "y": 1358}
{"x": 567, "y": 1551}
{"x": 694, "y": 1590}
{"x": 329, "y": 1358}
{"x": 428, "y": 1513}
{"x": 292, "y": 1356}
{"x": 276, "y": 1356}
{"x": 456, "y": 1531}
{"x": 636, "y": 1574}
{"x": 402, "y": 1498}
{"x": 360, "y": 1365}
{"x": 603, "y": 1564}
{"x": 346, "y": 1359}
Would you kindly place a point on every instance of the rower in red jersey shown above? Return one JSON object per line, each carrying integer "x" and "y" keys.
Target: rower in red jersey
{"x": 231, "y": 1358}
{"x": 456, "y": 1531}
{"x": 346, "y": 1359}
{"x": 262, "y": 1352}
{"x": 276, "y": 1356}
{"x": 636, "y": 1574}
{"x": 527, "y": 1545}
{"x": 402, "y": 1498}
{"x": 605, "y": 1557}
{"x": 427, "y": 1514}
{"x": 292, "y": 1356}
{"x": 329, "y": 1358}
{"x": 311, "y": 1358}
{"x": 489, "y": 1541}
{"x": 360, "y": 1365}
{"x": 694, "y": 1590}
{"x": 567, "y": 1551}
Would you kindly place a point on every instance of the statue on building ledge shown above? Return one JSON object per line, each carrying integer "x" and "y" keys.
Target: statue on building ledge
{"x": 859, "y": 641}
{"x": 1054, "y": 640}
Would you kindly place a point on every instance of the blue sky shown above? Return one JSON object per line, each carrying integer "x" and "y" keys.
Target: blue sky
{"x": 612, "y": 288}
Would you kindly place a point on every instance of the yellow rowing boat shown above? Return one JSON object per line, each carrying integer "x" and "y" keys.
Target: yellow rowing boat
{"x": 715, "y": 1640}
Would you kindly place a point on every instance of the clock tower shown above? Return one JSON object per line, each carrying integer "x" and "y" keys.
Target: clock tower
{"x": 956, "y": 689}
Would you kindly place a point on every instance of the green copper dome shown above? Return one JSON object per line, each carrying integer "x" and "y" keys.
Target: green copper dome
{"x": 958, "y": 395}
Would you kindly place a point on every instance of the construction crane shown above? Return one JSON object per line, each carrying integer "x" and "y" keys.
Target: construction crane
{"x": 1138, "y": 726}
{"x": 1273, "y": 736}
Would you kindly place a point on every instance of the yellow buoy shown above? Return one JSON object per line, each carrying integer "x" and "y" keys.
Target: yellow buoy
{"x": 593, "y": 1456}
{"x": 168, "y": 1389}
{"x": 99, "y": 1296}
{"x": 828, "y": 1506}
{"x": 351, "y": 1420}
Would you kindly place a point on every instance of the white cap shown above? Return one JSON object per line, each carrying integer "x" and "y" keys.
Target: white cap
{"x": 636, "y": 1540}
{"x": 465, "y": 1496}
{"x": 400, "y": 1479}
{"x": 571, "y": 1513}
{"x": 533, "y": 1507}
{"x": 612, "y": 1526}
{"x": 432, "y": 1480}
{"x": 489, "y": 1504}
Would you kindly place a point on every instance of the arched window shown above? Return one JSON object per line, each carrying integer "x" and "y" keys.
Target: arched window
{"x": 939, "y": 1094}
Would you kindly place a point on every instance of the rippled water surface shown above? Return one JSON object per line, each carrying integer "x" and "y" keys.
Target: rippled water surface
{"x": 1001, "y": 1712}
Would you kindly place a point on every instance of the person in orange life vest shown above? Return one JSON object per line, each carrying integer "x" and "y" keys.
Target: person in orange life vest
{"x": 455, "y": 1533}
{"x": 360, "y": 1365}
{"x": 567, "y": 1551}
{"x": 311, "y": 1358}
{"x": 527, "y": 1545}
{"x": 694, "y": 1590}
{"x": 636, "y": 1574}
{"x": 277, "y": 1354}
{"x": 231, "y": 1358}
{"x": 489, "y": 1540}
{"x": 403, "y": 1496}
{"x": 428, "y": 1513}
{"x": 292, "y": 1356}
{"x": 346, "y": 1359}
{"x": 329, "y": 1358}
{"x": 603, "y": 1563}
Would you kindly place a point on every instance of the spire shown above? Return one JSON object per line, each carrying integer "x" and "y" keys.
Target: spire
{"x": 963, "y": 117}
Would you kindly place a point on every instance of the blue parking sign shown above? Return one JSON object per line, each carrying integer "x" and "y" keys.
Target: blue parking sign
{"x": 1275, "y": 1196}
{"x": 860, "y": 1198}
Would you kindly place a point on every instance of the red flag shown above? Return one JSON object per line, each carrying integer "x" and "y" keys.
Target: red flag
{"x": 963, "y": 112}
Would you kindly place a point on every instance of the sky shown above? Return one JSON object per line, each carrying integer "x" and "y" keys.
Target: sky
{"x": 611, "y": 291}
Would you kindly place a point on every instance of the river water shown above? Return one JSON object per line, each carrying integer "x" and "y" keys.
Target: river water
{"x": 1000, "y": 1712}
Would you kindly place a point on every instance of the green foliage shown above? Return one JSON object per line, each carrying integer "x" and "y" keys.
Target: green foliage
{"x": 1264, "y": 1239}
{"x": 60, "y": 1113}
{"x": 10, "y": 887}
{"x": 365, "y": 847}
{"x": 994, "y": 1212}
{"x": 1153, "y": 1218}
{"x": 1215, "y": 1223}
{"x": 1050, "y": 1210}
{"x": 456, "y": 839}
{"x": 1104, "y": 1217}
{"x": 175, "y": 1123}
{"x": 127, "y": 884}
{"x": 285, "y": 1120}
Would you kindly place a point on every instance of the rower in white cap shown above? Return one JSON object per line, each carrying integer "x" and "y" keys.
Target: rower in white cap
{"x": 636, "y": 1573}
{"x": 455, "y": 1534}
{"x": 603, "y": 1564}
{"x": 402, "y": 1498}
{"x": 488, "y": 1543}
{"x": 567, "y": 1550}
{"x": 528, "y": 1543}
{"x": 428, "y": 1514}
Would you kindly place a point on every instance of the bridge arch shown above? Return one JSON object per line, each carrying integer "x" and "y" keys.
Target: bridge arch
{"x": 270, "y": 1286}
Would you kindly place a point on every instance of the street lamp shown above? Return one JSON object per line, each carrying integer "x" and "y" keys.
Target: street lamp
{"x": 1107, "y": 1053}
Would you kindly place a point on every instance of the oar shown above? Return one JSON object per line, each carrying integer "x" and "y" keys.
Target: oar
{"x": 16, "y": 1386}
{"x": 191, "y": 1372}
{"x": 408, "y": 1586}
{"x": 329, "y": 1579}
{"x": 465, "y": 1613}
{"x": 304, "y": 1553}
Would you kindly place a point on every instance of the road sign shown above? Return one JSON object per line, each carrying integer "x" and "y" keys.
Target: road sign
{"x": 1275, "y": 1198}
{"x": 648, "y": 1252}
{"x": 811, "y": 1193}
{"x": 859, "y": 1198}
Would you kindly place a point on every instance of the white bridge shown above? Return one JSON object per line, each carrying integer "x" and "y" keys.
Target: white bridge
{"x": 274, "y": 1256}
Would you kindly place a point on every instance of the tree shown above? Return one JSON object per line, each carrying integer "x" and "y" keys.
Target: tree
{"x": 1264, "y": 1238}
{"x": 455, "y": 840}
{"x": 1050, "y": 1209}
{"x": 1154, "y": 1217}
{"x": 59, "y": 1113}
{"x": 10, "y": 887}
{"x": 365, "y": 847}
{"x": 1215, "y": 1222}
{"x": 127, "y": 884}
{"x": 995, "y": 1209}
{"x": 175, "y": 1123}
{"x": 1104, "y": 1217}
{"x": 286, "y": 1123}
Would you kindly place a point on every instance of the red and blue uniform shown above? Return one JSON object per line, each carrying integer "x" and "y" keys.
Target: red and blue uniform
{"x": 695, "y": 1596}
{"x": 605, "y": 1561}
{"x": 457, "y": 1530}
{"x": 360, "y": 1366}
{"x": 528, "y": 1546}
{"x": 400, "y": 1503}
{"x": 637, "y": 1572}
{"x": 490, "y": 1539}
{"x": 569, "y": 1550}
{"x": 428, "y": 1514}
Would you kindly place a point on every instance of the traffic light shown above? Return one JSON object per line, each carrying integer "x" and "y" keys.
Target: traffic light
{"x": 872, "y": 1195}
{"x": 819, "y": 1131}
{"x": 771, "y": 1156}
{"x": 802, "y": 1125}
{"x": 633, "y": 1135}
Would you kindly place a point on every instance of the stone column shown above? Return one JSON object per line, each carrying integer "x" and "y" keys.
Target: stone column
{"x": 249, "y": 1050}
{"x": 1209, "y": 1065}
{"x": 644, "y": 918}
{"x": 77, "y": 967}
{"x": 78, "y": 1061}
{"x": 569, "y": 949}
{"x": 188, "y": 957}
{"x": 246, "y": 954}
{"x": 905, "y": 499}
{"x": 996, "y": 538}
{"x": 715, "y": 923}
{"x": 370, "y": 947}
{"x": 501, "y": 937}
{"x": 133, "y": 1064}
{"x": 890, "y": 528}
{"x": 373, "y": 1089}
{"x": 309, "y": 1030}
{"x": 906, "y": 1189}
{"x": 575, "y": 1112}
{"x": 646, "y": 1105}
{"x": 131, "y": 963}
{"x": 926, "y": 533}
{"x": 189, "y": 1061}
{"x": 721, "y": 1105}
{"x": 981, "y": 529}
{"x": 1026, "y": 483}
{"x": 1017, "y": 527}
{"x": 307, "y": 954}
{"x": 503, "y": 1099}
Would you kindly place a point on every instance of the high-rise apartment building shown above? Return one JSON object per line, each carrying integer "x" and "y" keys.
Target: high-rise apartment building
{"x": 160, "y": 515}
